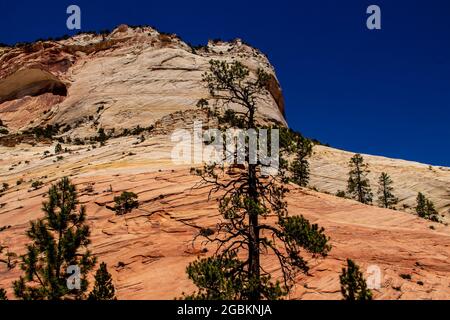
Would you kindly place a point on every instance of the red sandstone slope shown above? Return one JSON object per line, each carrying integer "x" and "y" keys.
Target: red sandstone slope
{"x": 149, "y": 249}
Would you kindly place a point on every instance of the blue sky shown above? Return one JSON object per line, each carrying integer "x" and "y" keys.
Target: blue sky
{"x": 384, "y": 92}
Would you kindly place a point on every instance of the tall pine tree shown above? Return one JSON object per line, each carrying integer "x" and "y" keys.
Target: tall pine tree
{"x": 244, "y": 234}
{"x": 57, "y": 241}
{"x": 386, "y": 198}
{"x": 358, "y": 185}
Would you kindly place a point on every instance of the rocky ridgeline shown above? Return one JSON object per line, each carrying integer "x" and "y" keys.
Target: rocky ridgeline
{"x": 129, "y": 77}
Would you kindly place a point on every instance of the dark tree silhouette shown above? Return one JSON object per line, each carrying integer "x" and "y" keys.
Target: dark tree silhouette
{"x": 235, "y": 271}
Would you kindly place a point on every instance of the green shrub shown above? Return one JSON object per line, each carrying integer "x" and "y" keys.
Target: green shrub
{"x": 37, "y": 184}
{"x": 341, "y": 194}
{"x": 5, "y": 187}
{"x": 405, "y": 276}
{"x": 78, "y": 141}
{"x": 45, "y": 132}
{"x": 101, "y": 137}
{"x": 58, "y": 148}
{"x": 126, "y": 202}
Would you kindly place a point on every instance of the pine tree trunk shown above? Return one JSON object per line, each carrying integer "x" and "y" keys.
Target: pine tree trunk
{"x": 254, "y": 263}
{"x": 253, "y": 254}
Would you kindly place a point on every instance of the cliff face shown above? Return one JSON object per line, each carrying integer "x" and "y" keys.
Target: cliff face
{"x": 127, "y": 78}
{"x": 141, "y": 77}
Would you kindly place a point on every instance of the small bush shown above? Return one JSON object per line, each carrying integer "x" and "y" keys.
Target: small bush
{"x": 37, "y": 184}
{"x": 101, "y": 137}
{"x": 5, "y": 187}
{"x": 340, "y": 194}
{"x": 58, "y": 148}
{"x": 78, "y": 141}
{"x": 45, "y": 132}
{"x": 126, "y": 202}
{"x": 405, "y": 276}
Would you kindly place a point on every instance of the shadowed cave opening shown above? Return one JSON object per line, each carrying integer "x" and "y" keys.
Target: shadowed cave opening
{"x": 30, "y": 83}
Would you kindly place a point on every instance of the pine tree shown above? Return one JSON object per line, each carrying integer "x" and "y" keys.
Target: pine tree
{"x": 300, "y": 166}
{"x": 57, "y": 241}
{"x": 244, "y": 234}
{"x": 104, "y": 287}
{"x": 386, "y": 198}
{"x": 425, "y": 208}
{"x": 3, "y": 294}
{"x": 353, "y": 285}
{"x": 358, "y": 185}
